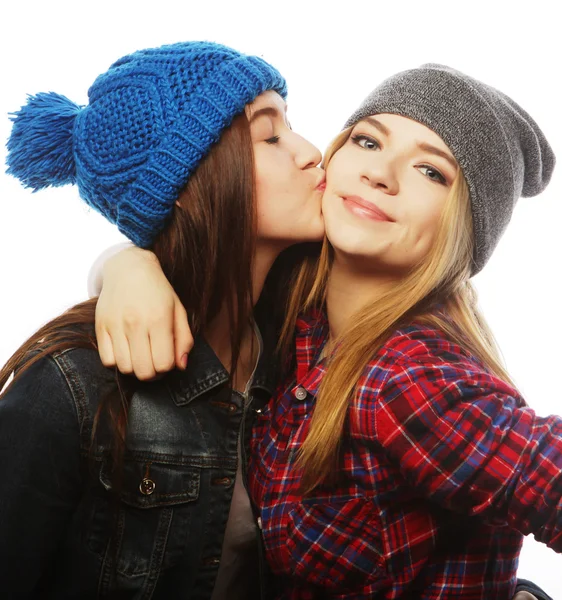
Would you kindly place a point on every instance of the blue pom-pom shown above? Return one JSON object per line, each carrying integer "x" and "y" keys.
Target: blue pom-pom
{"x": 40, "y": 147}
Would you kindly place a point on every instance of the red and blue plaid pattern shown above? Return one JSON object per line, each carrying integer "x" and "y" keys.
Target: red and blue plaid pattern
{"x": 443, "y": 468}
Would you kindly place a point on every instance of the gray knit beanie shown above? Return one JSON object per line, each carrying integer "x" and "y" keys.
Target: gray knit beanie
{"x": 501, "y": 150}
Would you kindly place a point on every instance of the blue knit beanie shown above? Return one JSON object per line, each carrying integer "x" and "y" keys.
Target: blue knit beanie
{"x": 150, "y": 120}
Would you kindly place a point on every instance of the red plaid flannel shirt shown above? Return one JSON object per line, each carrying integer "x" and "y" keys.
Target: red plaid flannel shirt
{"x": 443, "y": 469}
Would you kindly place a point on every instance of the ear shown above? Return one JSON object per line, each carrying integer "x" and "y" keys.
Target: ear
{"x": 178, "y": 204}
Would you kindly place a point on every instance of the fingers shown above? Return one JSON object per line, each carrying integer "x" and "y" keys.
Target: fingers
{"x": 141, "y": 354}
{"x": 524, "y": 596}
{"x": 122, "y": 353}
{"x": 161, "y": 334}
{"x": 113, "y": 345}
{"x": 135, "y": 350}
{"x": 105, "y": 346}
{"x": 183, "y": 339}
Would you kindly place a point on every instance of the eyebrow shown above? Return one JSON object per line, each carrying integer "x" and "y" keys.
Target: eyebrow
{"x": 382, "y": 128}
{"x": 422, "y": 145}
{"x": 269, "y": 111}
{"x": 433, "y": 150}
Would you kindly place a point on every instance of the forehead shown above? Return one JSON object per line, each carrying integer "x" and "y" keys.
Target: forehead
{"x": 269, "y": 99}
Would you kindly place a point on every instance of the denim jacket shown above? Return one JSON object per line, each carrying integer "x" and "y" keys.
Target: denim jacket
{"x": 57, "y": 515}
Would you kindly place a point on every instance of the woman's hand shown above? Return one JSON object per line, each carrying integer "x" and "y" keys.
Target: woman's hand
{"x": 524, "y": 596}
{"x": 141, "y": 325}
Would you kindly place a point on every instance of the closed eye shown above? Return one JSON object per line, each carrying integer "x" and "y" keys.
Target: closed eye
{"x": 272, "y": 140}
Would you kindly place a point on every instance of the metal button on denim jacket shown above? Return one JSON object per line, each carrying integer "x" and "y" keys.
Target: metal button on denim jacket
{"x": 57, "y": 512}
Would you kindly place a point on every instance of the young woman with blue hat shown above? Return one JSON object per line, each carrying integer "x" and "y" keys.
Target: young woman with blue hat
{"x": 113, "y": 488}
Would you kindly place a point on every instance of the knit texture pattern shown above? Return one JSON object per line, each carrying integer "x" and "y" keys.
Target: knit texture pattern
{"x": 500, "y": 149}
{"x": 150, "y": 120}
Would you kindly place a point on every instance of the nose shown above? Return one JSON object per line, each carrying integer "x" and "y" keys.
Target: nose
{"x": 307, "y": 155}
{"x": 380, "y": 174}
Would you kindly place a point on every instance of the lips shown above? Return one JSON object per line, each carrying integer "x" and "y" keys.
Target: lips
{"x": 322, "y": 185}
{"x": 369, "y": 209}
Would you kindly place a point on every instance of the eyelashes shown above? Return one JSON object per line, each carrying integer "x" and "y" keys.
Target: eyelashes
{"x": 272, "y": 140}
{"x": 437, "y": 176}
{"x": 362, "y": 140}
{"x": 369, "y": 143}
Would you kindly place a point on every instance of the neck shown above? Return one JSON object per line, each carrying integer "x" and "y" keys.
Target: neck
{"x": 350, "y": 289}
{"x": 217, "y": 332}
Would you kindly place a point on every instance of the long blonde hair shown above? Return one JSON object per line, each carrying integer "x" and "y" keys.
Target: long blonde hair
{"x": 442, "y": 278}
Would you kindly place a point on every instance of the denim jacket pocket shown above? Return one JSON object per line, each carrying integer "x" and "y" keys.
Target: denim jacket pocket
{"x": 336, "y": 544}
{"x": 153, "y": 516}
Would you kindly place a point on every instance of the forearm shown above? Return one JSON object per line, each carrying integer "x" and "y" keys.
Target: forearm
{"x": 472, "y": 447}
{"x": 95, "y": 276}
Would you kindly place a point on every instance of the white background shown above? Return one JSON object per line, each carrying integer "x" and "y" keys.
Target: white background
{"x": 332, "y": 54}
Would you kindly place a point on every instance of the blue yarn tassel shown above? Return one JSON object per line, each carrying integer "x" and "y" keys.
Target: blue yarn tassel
{"x": 40, "y": 147}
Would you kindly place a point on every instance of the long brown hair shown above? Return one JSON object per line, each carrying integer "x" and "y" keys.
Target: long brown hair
{"x": 206, "y": 253}
{"x": 442, "y": 279}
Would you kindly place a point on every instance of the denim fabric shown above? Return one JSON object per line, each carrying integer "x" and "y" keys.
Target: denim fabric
{"x": 57, "y": 510}
{"x": 524, "y": 585}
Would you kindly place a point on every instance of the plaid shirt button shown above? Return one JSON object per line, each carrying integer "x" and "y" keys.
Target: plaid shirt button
{"x": 300, "y": 393}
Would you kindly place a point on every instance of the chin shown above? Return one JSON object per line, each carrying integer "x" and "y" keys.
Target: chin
{"x": 360, "y": 248}
{"x": 350, "y": 242}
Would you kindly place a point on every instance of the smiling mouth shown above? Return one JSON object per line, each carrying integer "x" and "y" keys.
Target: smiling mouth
{"x": 363, "y": 208}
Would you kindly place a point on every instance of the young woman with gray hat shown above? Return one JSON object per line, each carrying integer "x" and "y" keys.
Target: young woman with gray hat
{"x": 398, "y": 460}
{"x": 111, "y": 487}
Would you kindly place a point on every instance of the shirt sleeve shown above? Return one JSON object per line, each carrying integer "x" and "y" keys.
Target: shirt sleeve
{"x": 95, "y": 276}
{"x": 467, "y": 441}
{"x": 39, "y": 471}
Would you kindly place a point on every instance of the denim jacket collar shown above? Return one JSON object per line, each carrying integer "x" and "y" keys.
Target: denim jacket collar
{"x": 205, "y": 371}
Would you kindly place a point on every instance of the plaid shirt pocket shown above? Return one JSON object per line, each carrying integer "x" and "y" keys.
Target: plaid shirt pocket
{"x": 336, "y": 544}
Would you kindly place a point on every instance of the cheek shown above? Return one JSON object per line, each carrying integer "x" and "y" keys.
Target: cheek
{"x": 275, "y": 174}
{"x": 266, "y": 208}
{"x": 345, "y": 231}
{"x": 332, "y": 213}
{"x": 333, "y": 171}
{"x": 265, "y": 177}
{"x": 345, "y": 167}
{"x": 430, "y": 219}
{"x": 425, "y": 223}
{"x": 274, "y": 212}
